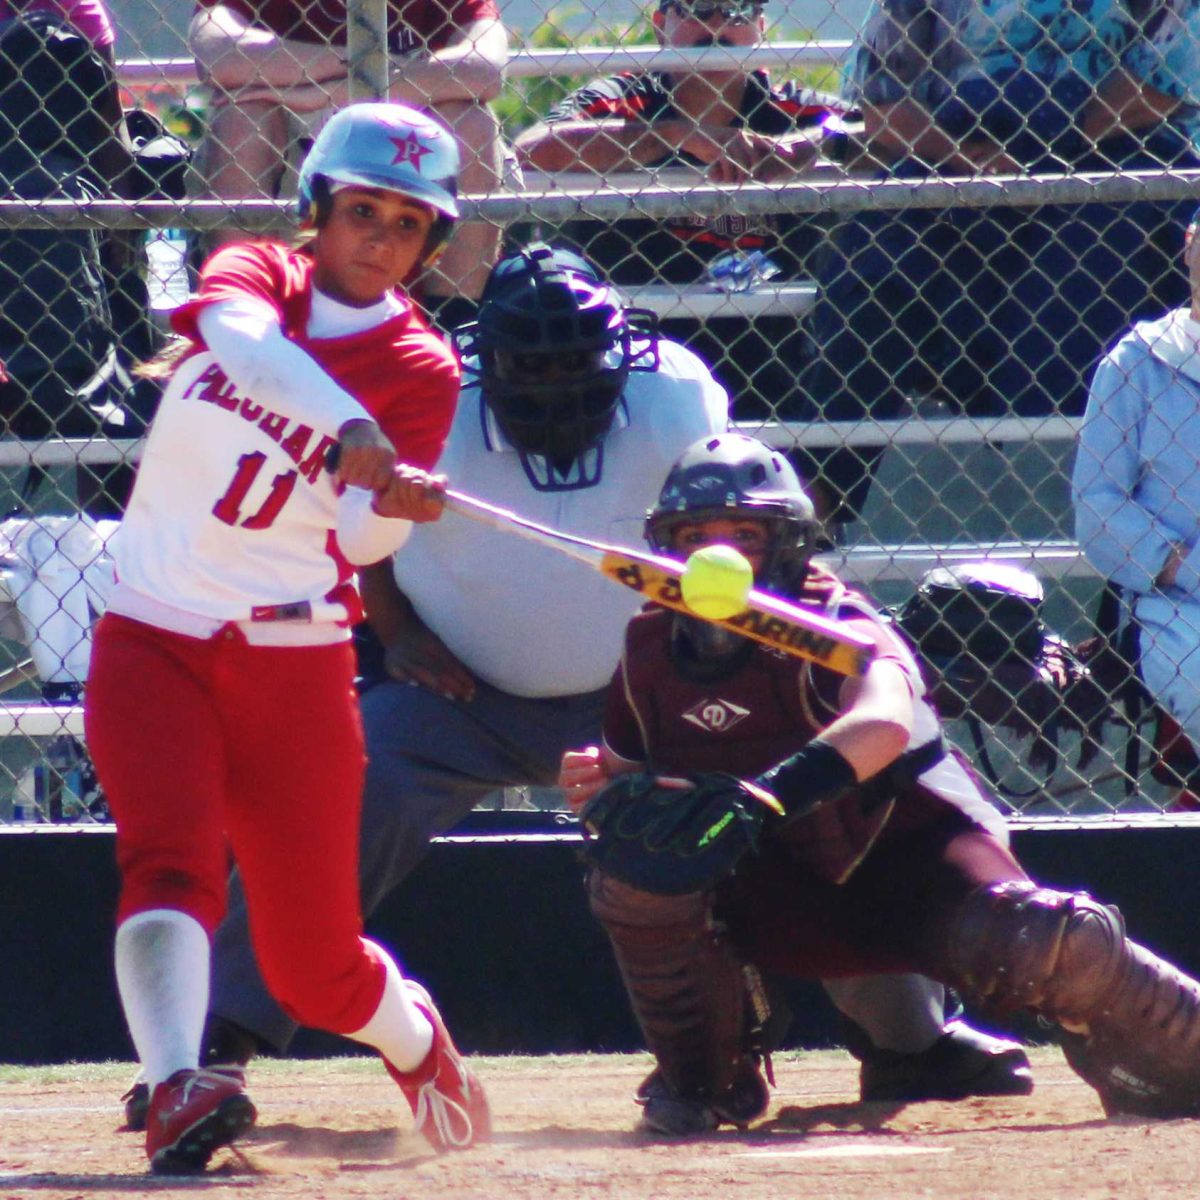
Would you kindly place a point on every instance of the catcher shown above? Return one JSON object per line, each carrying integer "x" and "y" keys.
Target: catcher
{"x": 749, "y": 810}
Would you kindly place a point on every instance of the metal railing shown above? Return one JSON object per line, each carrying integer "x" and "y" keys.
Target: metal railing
{"x": 180, "y": 74}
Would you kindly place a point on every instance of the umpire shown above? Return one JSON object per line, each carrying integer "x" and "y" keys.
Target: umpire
{"x": 577, "y": 428}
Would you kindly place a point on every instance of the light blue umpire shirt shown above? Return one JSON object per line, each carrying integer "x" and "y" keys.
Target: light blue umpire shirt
{"x": 554, "y": 630}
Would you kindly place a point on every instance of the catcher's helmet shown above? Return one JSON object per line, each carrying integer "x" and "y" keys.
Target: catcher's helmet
{"x": 734, "y": 476}
{"x": 729, "y": 475}
{"x": 389, "y": 146}
{"x": 552, "y": 348}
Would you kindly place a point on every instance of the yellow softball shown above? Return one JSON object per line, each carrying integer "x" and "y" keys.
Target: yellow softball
{"x": 716, "y": 582}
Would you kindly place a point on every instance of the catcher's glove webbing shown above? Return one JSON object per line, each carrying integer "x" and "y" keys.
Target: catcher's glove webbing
{"x": 670, "y": 836}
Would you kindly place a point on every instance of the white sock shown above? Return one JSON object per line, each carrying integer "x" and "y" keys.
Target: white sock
{"x": 399, "y": 1030}
{"x": 162, "y": 958}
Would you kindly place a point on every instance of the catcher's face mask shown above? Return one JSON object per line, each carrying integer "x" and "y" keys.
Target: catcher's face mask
{"x": 552, "y": 350}
{"x": 748, "y": 536}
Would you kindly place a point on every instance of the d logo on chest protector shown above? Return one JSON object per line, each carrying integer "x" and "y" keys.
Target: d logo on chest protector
{"x": 716, "y": 716}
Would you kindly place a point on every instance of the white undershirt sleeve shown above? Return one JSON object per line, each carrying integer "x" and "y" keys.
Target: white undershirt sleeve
{"x": 246, "y": 338}
{"x": 363, "y": 535}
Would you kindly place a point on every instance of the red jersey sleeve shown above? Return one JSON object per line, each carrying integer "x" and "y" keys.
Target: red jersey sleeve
{"x": 405, "y": 376}
{"x": 262, "y": 270}
{"x": 417, "y": 417}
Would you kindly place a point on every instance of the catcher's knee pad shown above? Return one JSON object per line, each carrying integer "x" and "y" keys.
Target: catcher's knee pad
{"x": 1133, "y": 1020}
{"x": 684, "y": 981}
{"x": 1016, "y": 945}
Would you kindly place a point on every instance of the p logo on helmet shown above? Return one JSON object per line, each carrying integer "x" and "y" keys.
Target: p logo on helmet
{"x": 389, "y": 146}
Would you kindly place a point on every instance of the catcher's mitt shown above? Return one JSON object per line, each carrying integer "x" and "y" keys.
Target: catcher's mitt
{"x": 671, "y": 836}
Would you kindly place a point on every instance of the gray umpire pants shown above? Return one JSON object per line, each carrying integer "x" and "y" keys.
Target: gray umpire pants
{"x": 430, "y": 761}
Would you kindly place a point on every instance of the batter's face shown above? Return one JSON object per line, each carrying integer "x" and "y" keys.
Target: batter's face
{"x": 372, "y": 242}
{"x": 749, "y": 538}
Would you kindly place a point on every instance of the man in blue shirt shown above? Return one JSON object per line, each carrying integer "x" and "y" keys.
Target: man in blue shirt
{"x": 1136, "y": 489}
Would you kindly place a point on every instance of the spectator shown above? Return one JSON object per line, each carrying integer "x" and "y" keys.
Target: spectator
{"x": 885, "y": 855}
{"x": 1136, "y": 490}
{"x": 735, "y": 126}
{"x": 1002, "y": 310}
{"x": 577, "y": 431}
{"x": 278, "y": 69}
{"x": 107, "y": 151}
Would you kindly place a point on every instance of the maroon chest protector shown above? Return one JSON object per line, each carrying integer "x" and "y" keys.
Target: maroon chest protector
{"x": 741, "y": 721}
{"x": 762, "y": 709}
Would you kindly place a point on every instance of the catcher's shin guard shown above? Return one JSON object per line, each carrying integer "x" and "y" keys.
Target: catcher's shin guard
{"x": 1132, "y": 1020}
{"x": 684, "y": 983}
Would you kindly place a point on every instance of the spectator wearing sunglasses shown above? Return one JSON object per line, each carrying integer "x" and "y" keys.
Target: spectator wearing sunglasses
{"x": 734, "y": 123}
{"x": 731, "y": 126}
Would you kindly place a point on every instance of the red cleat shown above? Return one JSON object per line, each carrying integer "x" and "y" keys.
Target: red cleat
{"x": 192, "y": 1114}
{"x": 448, "y": 1104}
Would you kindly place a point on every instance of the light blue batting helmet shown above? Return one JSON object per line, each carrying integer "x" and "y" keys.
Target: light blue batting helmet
{"x": 388, "y": 146}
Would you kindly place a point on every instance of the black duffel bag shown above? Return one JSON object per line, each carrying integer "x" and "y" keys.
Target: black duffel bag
{"x": 989, "y": 659}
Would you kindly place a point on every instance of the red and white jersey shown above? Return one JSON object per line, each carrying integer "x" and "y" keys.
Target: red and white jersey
{"x": 233, "y": 515}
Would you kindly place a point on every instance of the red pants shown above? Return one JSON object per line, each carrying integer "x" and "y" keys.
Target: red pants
{"x": 206, "y": 745}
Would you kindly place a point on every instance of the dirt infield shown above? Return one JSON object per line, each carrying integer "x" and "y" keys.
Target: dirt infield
{"x": 564, "y": 1128}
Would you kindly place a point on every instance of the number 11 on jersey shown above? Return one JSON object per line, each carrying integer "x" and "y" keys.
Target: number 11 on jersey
{"x": 229, "y": 507}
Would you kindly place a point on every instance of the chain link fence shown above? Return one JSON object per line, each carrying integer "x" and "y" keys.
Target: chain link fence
{"x": 902, "y": 248}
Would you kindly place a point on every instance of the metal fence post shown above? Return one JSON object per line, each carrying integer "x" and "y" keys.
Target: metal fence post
{"x": 367, "y": 49}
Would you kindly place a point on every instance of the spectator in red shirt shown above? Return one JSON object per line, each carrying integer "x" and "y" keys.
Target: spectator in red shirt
{"x": 278, "y": 71}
